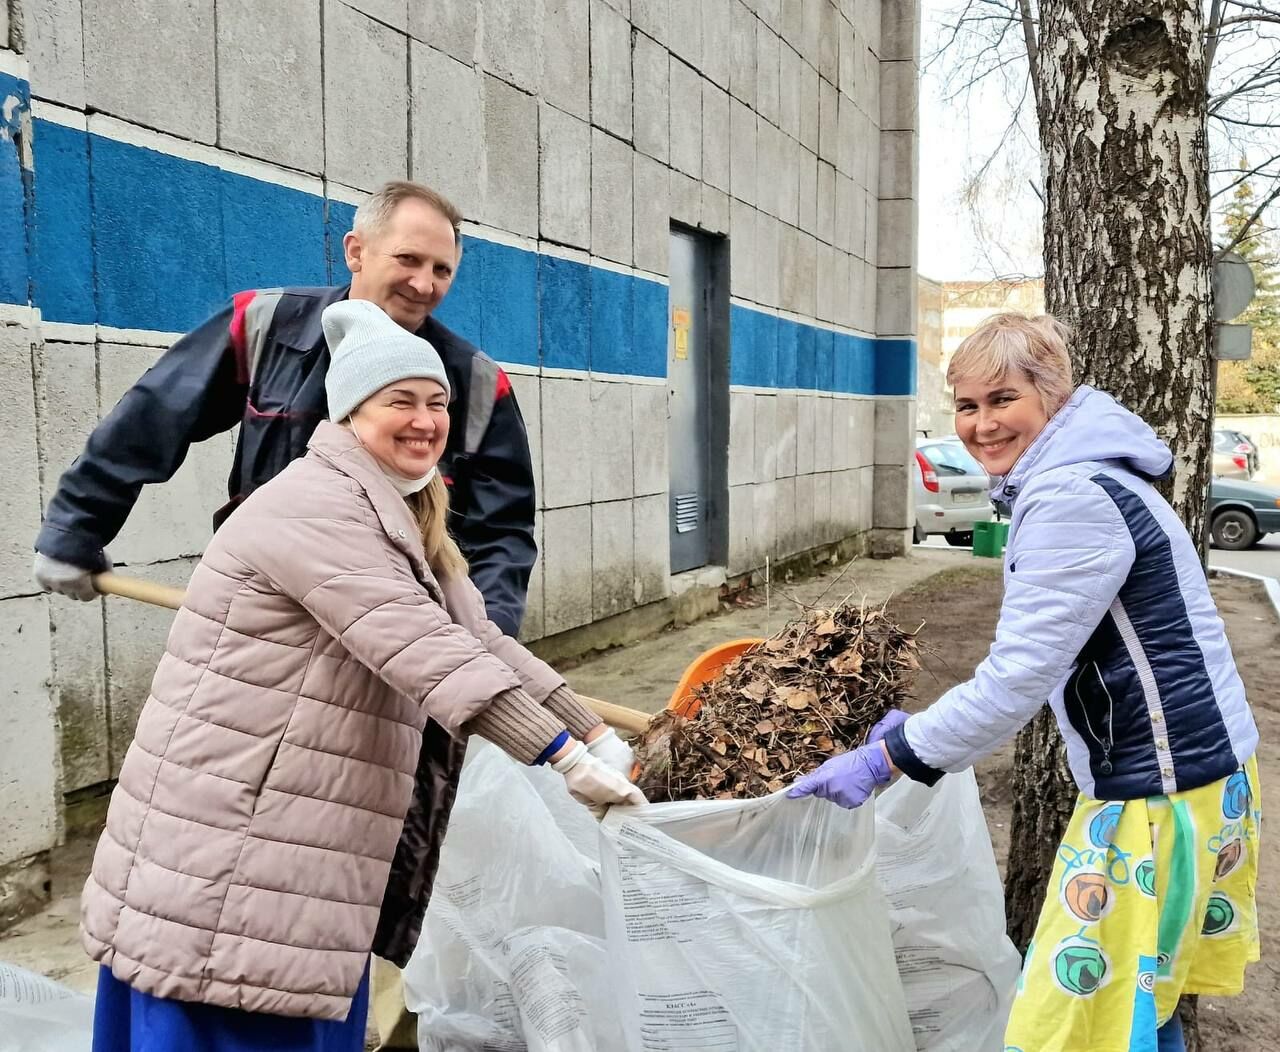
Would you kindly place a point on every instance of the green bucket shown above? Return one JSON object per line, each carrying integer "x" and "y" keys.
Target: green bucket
{"x": 989, "y": 539}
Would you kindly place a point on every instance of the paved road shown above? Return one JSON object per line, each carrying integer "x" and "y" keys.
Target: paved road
{"x": 1263, "y": 559}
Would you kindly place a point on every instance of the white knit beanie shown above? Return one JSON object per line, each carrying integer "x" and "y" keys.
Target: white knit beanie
{"x": 367, "y": 351}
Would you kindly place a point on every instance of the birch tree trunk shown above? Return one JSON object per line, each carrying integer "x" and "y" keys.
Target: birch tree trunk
{"x": 1122, "y": 98}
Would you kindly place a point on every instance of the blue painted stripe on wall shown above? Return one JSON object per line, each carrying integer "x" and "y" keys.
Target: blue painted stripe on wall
{"x": 135, "y": 238}
{"x": 15, "y": 268}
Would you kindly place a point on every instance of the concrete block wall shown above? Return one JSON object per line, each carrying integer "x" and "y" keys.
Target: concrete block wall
{"x": 572, "y": 133}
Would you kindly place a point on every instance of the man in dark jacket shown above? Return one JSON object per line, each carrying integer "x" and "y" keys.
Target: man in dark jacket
{"x": 261, "y": 362}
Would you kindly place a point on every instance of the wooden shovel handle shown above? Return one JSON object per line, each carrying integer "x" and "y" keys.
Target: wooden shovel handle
{"x": 617, "y": 716}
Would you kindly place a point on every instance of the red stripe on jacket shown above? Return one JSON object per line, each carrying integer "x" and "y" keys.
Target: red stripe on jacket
{"x": 240, "y": 303}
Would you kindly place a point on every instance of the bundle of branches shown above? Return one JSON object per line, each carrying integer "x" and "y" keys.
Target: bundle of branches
{"x": 810, "y": 692}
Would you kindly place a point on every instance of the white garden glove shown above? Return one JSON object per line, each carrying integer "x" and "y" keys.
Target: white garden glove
{"x": 55, "y": 576}
{"x": 613, "y": 752}
{"x": 594, "y": 784}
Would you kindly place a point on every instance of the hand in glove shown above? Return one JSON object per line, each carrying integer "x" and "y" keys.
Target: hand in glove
{"x": 594, "y": 784}
{"x": 893, "y": 718}
{"x": 55, "y": 576}
{"x": 848, "y": 779}
{"x": 613, "y": 752}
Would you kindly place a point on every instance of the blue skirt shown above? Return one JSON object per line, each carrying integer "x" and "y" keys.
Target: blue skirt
{"x": 125, "y": 1020}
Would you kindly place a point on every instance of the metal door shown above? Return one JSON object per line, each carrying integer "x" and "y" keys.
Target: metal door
{"x": 689, "y": 401}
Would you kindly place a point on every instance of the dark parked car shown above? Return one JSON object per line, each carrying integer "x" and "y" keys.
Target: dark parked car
{"x": 1242, "y": 513}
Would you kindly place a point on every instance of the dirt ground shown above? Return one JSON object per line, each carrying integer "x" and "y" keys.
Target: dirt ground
{"x": 958, "y": 630}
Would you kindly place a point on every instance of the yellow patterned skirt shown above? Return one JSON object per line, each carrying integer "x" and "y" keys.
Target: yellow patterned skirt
{"x": 1149, "y": 899}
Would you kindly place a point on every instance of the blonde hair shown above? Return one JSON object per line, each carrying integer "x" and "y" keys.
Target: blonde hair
{"x": 372, "y": 216}
{"x": 430, "y": 505}
{"x": 1013, "y": 342}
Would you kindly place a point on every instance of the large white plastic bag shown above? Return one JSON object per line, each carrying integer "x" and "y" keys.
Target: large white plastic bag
{"x": 39, "y": 1015}
{"x": 737, "y": 926}
{"x": 512, "y": 952}
{"x": 937, "y": 868}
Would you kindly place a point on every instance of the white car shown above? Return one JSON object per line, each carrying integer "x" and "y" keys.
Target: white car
{"x": 952, "y": 491}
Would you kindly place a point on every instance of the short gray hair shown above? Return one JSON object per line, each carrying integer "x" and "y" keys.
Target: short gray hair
{"x": 372, "y": 217}
{"x": 1013, "y": 342}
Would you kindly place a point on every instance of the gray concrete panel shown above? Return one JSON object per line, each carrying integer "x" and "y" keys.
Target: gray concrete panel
{"x": 136, "y": 51}
{"x": 742, "y": 237}
{"x": 612, "y": 439}
{"x": 825, "y": 220}
{"x": 812, "y": 30}
{"x": 825, "y": 293}
{"x": 686, "y": 199}
{"x": 611, "y": 217}
{"x": 849, "y": 59}
{"x": 366, "y": 103}
{"x": 651, "y": 17}
{"x": 447, "y": 121}
{"x": 174, "y": 519}
{"x": 895, "y": 302}
{"x": 684, "y": 31}
{"x": 567, "y": 574}
{"x": 567, "y": 442}
{"x": 850, "y": 131}
{"x": 742, "y": 537}
{"x": 767, "y": 72}
{"x": 789, "y": 267}
{"x": 447, "y": 25}
{"x": 135, "y": 638}
{"x": 770, "y": 12}
{"x": 786, "y": 424}
{"x": 511, "y": 157}
{"x": 715, "y": 210}
{"x": 823, "y": 435}
{"x": 767, "y": 438}
{"x": 533, "y": 625}
{"x": 895, "y": 429}
{"x": 786, "y": 542}
{"x": 870, "y": 156}
{"x": 870, "y": 288}
{"x": 22, "y": 502}
{"x": 651, "y": 71}
{"x": 809, "y": 96}
{"x": 716, "y": 136}
{"x": 899, "y": 161}
{"x": 843, "y": 439}
{"x": 79, "y": 685}
{"x": 742, "y": 438}
{"x": 899, "y": 96}
{"x": 393, "y": 13}
{"x": 868, "y": 23}
{"x": 790, "y": 85}
{"x": 742, "y": 152}
{"x": 566, "y": 56}
{"x": 764, "y": 520}
{"x": 564, "y": 173}
{"x": 789, "y": 179}
{"x": 742, "y": 53}
{"x": 791, "y": 28}
{"x": 270, "y": 92}
{"x": 803, "y": 521}
{"x": 768, "y": 162}
{"x": 828, "y": 122}
{"x": 651, "y": 206}
{"x": 808, "y": 176}
{"x": 899, "y": 29}
{"x": 891, "y": 497}
{"x": 66, "y": 387}
{"x": 824, "y": 530}
{"x": 652, "y": 548}
{"x": 610, "y": 70}
{"x": 896, "y": 235}
{"x": 686, "y": 119}
{"x": 613, "y": 581}
{"x": 862, "y": 427}
{"x": 511, "y": 42}
{"x": 806, "y": 409}
{"x": 872, "y": 253}
{"x": 54, "y": 39}
{"x": 528, "y": 392}
{"x": 717, "y": 41}
{"x": 29, "y": 791}
{"x": 768, "y": 259}
{"x": 649, "y": 467}
{"x": 844, "y": 306}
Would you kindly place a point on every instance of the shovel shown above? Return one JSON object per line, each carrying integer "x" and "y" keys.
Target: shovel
{"x": 632, "y": 721}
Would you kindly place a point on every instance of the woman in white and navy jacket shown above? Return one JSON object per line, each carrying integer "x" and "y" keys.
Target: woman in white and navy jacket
{"x": 1107, "y": 616}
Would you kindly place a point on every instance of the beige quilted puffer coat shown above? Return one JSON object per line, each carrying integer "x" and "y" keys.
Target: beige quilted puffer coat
{"x": 249, "y": 839}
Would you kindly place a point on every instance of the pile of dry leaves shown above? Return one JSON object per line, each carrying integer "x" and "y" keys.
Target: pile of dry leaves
{"x": 810, "y": 692}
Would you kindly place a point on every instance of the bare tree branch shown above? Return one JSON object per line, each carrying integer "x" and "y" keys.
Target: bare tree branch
{"x": 1243, "y": 233}
{"x": 1033, "y": 48}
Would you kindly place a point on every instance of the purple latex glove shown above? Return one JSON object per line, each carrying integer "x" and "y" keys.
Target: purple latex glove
{"x": 848, "y": 779}
{"x": 893, "y": 718}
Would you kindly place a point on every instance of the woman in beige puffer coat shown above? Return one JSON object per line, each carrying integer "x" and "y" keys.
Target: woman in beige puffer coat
{"x": 235, "y": 891}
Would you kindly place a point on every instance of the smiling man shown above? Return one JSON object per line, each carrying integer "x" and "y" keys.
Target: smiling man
{"x": 260, "y": 363}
